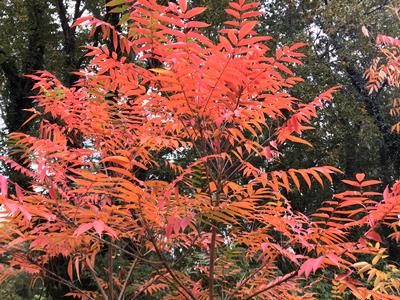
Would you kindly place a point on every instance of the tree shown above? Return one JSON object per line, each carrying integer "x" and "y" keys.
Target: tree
{"x": 222, "y": 227}
{"x": 355, "y": 132}
{"x": 37, "y": 35}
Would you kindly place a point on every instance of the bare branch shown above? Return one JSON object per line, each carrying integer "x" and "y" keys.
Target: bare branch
{"x": 133, "y": 265}
{"x": 176, "y": 279}
{"x": 273, "y": 284}
{"x": 96, "y": 278}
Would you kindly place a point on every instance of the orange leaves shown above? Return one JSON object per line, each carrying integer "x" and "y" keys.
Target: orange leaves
{"x": 385, "y": 69}
{"x": 81, "y": 20}
{"x": 353, "y": 209}
{"x": 298, "y": 140}
{"x": 360, "y": 177}
{"x": 120, "y": 160}
{"x": 246, "y": 28}
{"x": 172, "y": 155}
{"x": 360, "y": 181}
{"x": 283, "y": 178}
{"x": 124, "y": 162}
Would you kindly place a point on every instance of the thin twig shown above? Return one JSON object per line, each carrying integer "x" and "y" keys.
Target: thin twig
{"x": 212, "y": 262}
{"x": 121, "y": 294}
{"x": 273, "y": 284}
{"x": 149, "y": 283}
{"x": 97, "y": 281}
{"x": 176, "y": 279}
{"x": 110, "y": 272}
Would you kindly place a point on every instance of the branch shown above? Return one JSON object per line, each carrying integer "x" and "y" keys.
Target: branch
{"x": 121, "y": 294}
{"x": 95, "y": 236}
{"x": 149, "y": 283}
{"x": 212, "y": 262}
{"x": 176, "y": 279}
{"x": 273, "y": 284}
{"x": 69, "y": 43}
{"x": 245, "y": 280}
{"x": 65, "y": 282}
{"x": 379, "y": 7}
{"x": 213, "y": 242}
{"x": 77, "y": 12}
{"x": 63, "y": 15}
{"x": 164, "y": 262}
{"x": 110, "y": 272}
{"x": 151, "y": 262}
{"x": 97, "y": 282}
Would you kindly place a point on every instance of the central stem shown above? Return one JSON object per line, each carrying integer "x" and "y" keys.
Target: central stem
{"x": 110, "y": 272}
{"x": 212, "y": 261}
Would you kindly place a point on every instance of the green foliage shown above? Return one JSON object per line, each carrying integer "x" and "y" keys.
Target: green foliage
{"x": 20, "y": 288}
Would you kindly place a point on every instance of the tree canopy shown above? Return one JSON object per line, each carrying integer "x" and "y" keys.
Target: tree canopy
{"x": 189, "y": 149}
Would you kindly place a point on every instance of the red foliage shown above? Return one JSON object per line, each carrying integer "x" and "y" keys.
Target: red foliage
{"x": 224, "y": 103}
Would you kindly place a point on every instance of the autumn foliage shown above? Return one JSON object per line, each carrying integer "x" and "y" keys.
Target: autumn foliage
{"x": 385, "y": 72}
{"x": 215, "y": 225}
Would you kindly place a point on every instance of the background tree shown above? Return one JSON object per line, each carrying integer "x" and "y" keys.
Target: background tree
{"x": 333, "y": 32}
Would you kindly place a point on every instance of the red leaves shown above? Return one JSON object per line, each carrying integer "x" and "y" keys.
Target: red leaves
{"x": 387, "y": 40}
{"x": 175, "y": 225}
{"x": 182, "y": 5}
{"x": 373, "y": 235}
{"x": 98, "y": 225}
{"x": 196, "y": 24}
{"x": 3, "y": 185}
{"x": 352, "y": 183}
{"x": 360, "y": 177}
{"x": 81, "y": 20}
{"x": 233, "y": 13}
{"x": 311, "y": 265}
{"x": 82, "y": 229}
{"x": 193, "y": 12}
{"x": 247, "y": 28}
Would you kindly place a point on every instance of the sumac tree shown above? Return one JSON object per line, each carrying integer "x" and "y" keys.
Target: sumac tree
{"x": 222, "y": 227}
